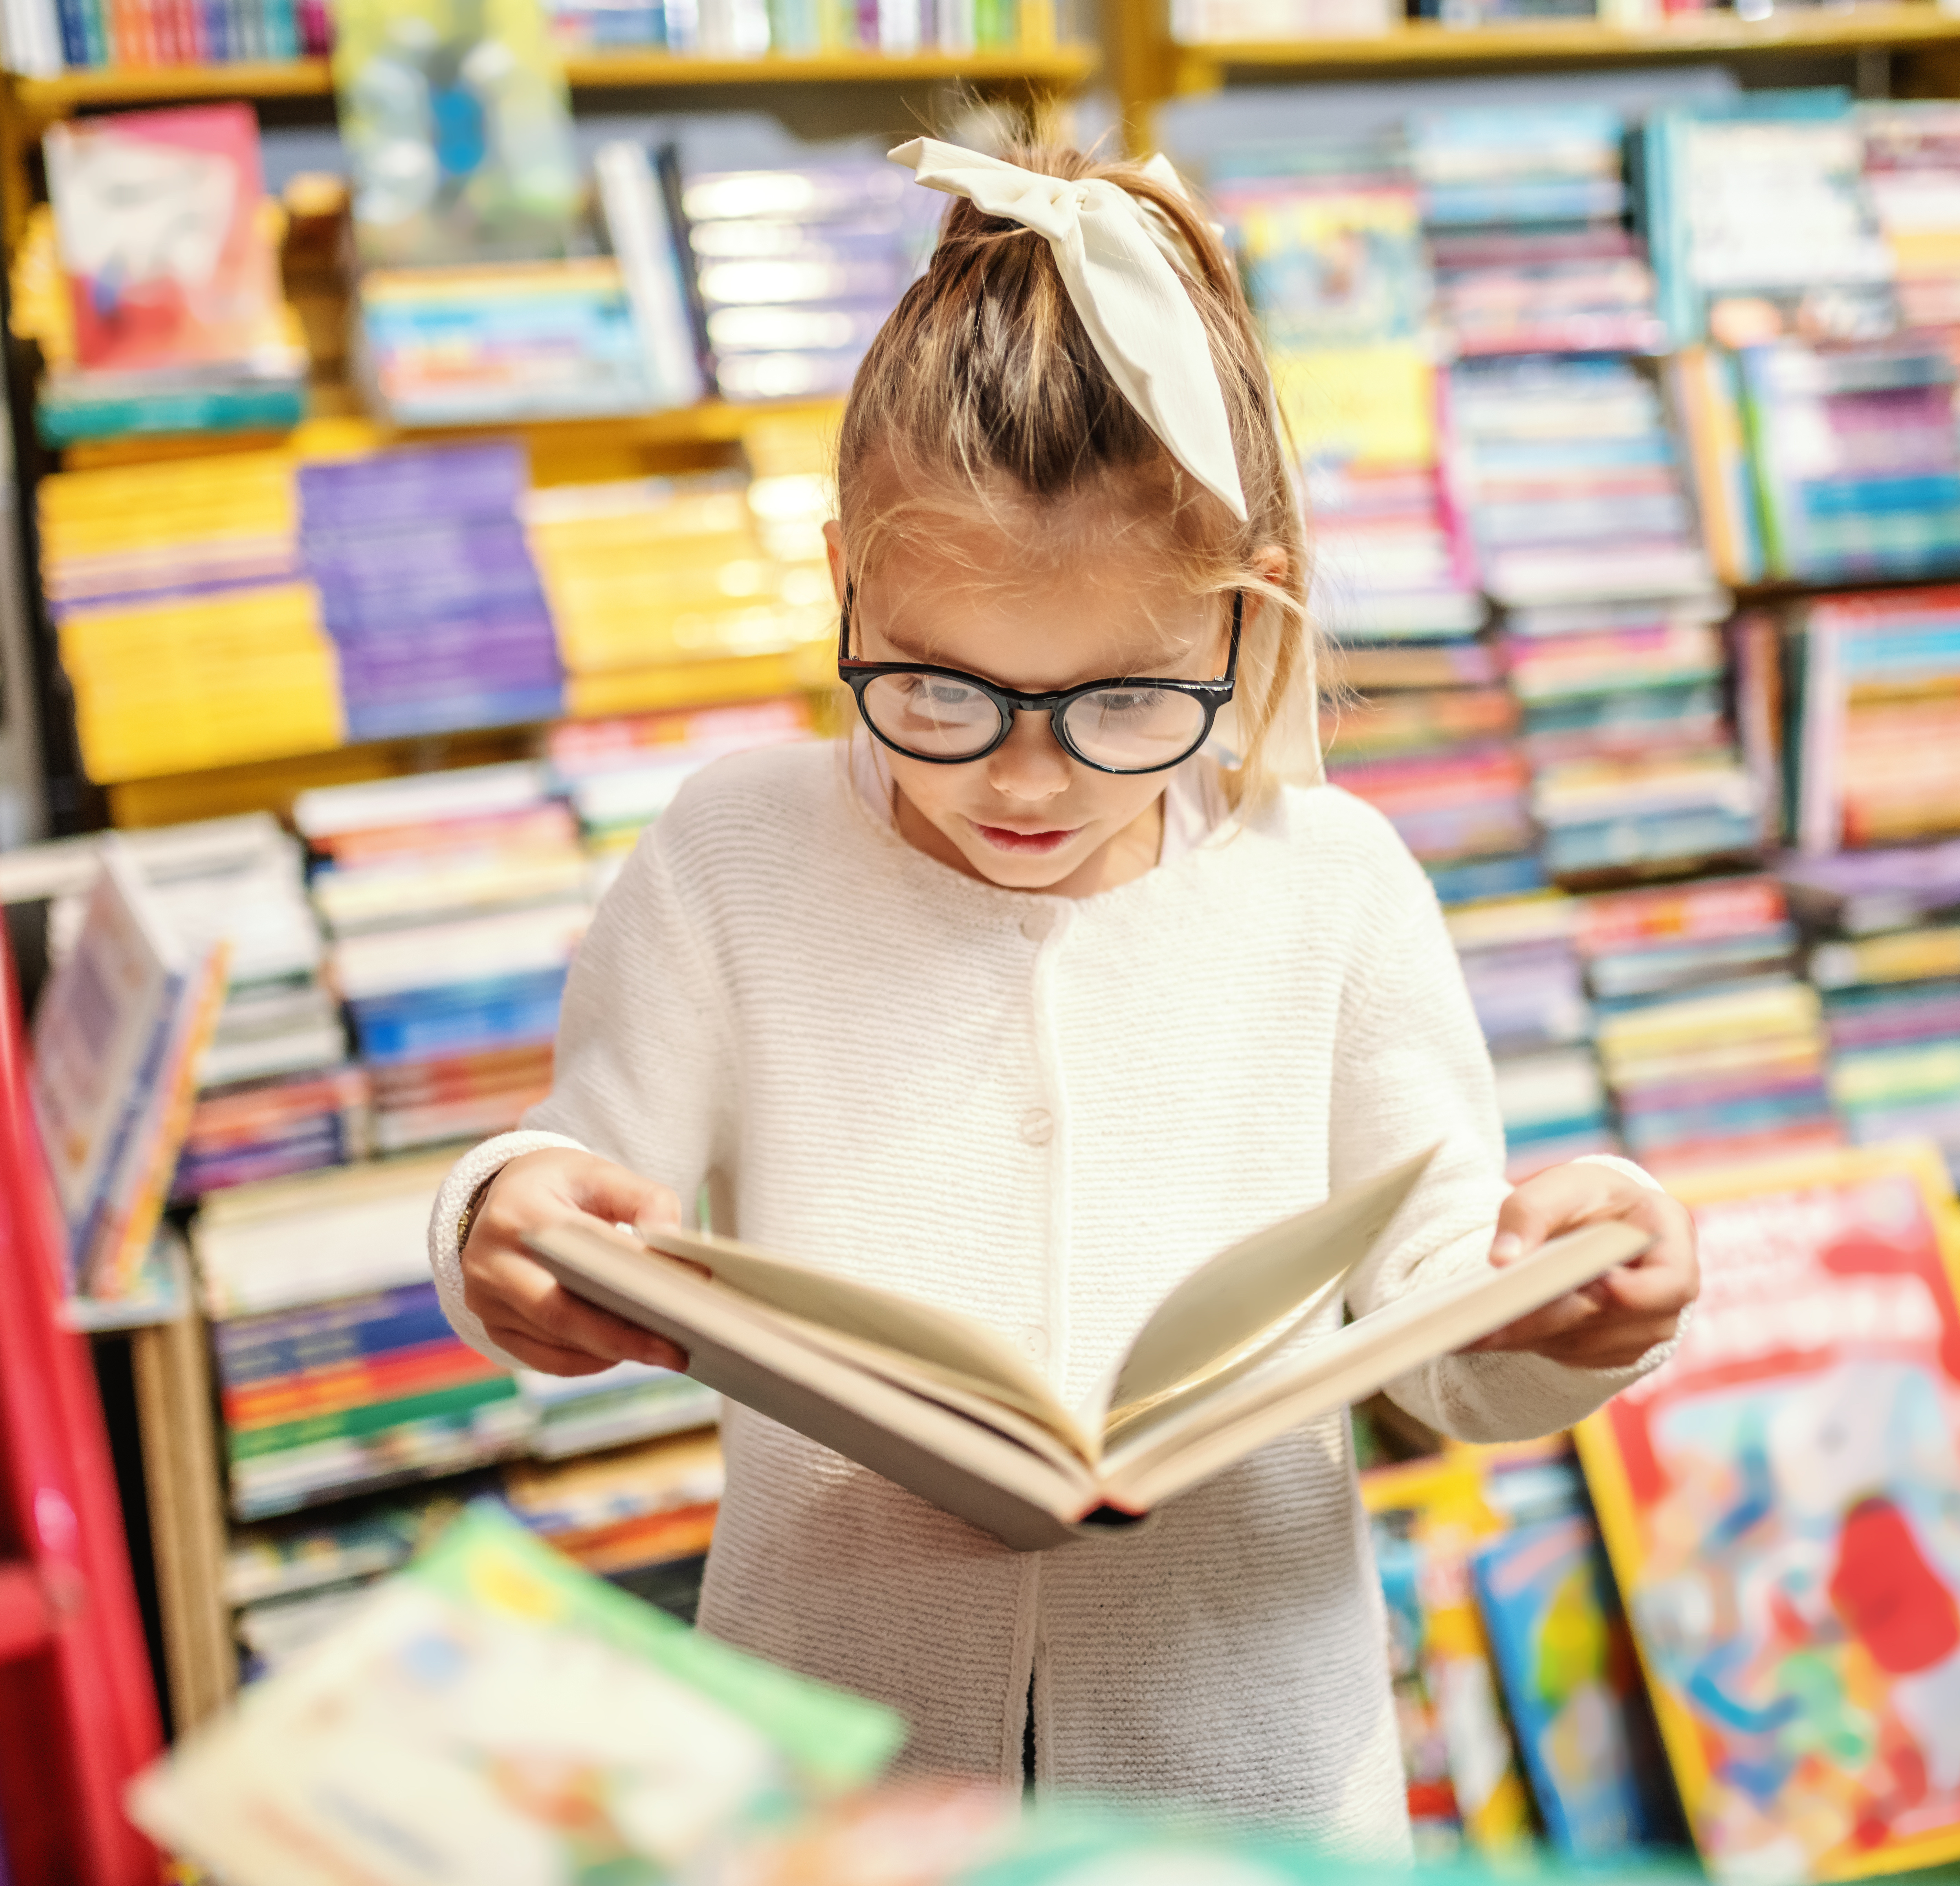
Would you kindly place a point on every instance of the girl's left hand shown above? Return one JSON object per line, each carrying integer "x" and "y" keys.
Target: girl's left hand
{"x": 1615, "y": 1321}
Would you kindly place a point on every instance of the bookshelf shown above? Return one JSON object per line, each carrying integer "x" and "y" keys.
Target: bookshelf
{"x": 1423, "y": 45}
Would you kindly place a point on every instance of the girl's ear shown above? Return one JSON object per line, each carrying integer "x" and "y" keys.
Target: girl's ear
{"x": 1270, "y": 563}
{"x": 833, "y": 547}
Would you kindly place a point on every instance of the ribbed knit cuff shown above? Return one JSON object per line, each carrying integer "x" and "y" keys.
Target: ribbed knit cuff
{"x": 477, "y": 1166}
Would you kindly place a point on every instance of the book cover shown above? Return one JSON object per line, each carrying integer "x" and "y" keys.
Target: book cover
{"x": 1778, "y": 1504}
{"x": 157, "y": 218}
{"x": 1572, "y": 1686}
{"x": 459, "y": 129}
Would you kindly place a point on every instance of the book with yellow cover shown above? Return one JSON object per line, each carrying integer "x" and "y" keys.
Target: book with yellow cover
{"x": 1779, "y": 1502}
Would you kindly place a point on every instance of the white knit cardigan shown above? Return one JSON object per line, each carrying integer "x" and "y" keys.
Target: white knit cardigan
{"x": 1044, "y": 1111}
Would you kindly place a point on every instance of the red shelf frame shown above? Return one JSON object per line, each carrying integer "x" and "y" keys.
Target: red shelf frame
{"x": 78, "y": 1714}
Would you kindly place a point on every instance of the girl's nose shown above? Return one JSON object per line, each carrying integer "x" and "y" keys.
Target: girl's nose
{"x": 1029, "y": 764}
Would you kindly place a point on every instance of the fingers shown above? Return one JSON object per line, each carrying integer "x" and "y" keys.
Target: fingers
{"x": 611, "y": 1194}
{"x": 514, "y": 1297}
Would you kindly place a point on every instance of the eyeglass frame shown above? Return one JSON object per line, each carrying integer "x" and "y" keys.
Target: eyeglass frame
{"x": 1211, "y": 695}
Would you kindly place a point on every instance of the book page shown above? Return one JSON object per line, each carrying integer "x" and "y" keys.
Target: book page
{"x": 763, "y": 1359}
{"x": 1241, "y": 1304}
{"x": 967, "y": 1354}
{"x": 1204, "y": 1439}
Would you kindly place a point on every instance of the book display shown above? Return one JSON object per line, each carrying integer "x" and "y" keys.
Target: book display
{"x": 448, "y": 490}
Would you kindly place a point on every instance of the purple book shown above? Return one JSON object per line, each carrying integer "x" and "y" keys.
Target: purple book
{"x": 496, "y": 669}
{"x": 455, "y": 631}
{"x": 465, "y": 547}
{"x": 403, "y": 489}
{"x": 393, "y": 720}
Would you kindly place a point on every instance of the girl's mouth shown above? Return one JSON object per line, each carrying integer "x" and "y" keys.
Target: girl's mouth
{"x": 1030, "y": 844}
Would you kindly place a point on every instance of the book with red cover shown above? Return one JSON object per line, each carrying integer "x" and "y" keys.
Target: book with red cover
{"x": 158, "y": 220}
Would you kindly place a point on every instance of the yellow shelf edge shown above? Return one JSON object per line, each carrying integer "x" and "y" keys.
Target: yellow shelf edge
{"x": 51, "y": 98}
{"x": 1422, "y": 43}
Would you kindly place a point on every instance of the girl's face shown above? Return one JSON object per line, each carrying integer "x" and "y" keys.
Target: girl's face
{"x": 1027, "y": 816}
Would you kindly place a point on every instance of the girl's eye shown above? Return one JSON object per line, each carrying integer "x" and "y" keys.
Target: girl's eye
{"x": 941, "y": 695}
{"x": 1128, "y": 703}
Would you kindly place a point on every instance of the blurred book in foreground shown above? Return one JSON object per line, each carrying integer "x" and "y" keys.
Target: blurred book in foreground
{"x": 499, "y": 1715}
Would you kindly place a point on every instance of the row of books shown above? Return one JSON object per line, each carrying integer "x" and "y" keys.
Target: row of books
{"x": 726, "y": 29}
{"x": 263, "y": 604}
{"x": 42, "y": 37}
{"x": 1202, "y": 23}
{"x": 338, "y": 1373}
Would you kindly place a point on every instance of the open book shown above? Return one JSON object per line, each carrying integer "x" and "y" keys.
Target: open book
{"x": 946, "y": 1407}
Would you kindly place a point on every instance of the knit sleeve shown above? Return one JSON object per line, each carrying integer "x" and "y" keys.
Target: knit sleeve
{"x": 641, "y": 1074}
{"x": 1411, "y": 1071}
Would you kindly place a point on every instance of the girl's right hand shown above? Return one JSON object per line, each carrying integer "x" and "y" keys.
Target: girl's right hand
{"x": 523, "y": 1308}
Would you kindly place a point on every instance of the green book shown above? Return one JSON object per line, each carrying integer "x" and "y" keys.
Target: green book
{"x": 352, "y": 1424}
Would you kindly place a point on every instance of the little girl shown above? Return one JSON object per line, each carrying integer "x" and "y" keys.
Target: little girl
{"x": 1021, "y": 1002}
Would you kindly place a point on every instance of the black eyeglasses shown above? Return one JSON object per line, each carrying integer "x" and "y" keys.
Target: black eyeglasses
{"x": 1125, "y": 724}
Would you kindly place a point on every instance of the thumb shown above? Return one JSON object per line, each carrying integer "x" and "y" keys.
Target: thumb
{"x": 621, "y": 1198}
{"x": 1525, "y": 1220}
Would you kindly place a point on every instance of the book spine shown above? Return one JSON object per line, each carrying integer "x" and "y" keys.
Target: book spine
{"x": 427, "y": 1369}
{"x": 355, "y": 1424}
{"x": 273, "y": 1361}
{"x": 282, "y": 34}
{"x": 74, "y": 33}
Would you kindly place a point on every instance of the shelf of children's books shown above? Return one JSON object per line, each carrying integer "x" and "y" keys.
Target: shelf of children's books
{"x": 1721, "y": 34}
{"x": 44, "y": 101}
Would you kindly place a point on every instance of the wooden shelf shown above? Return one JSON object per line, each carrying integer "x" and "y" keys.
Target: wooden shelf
{"x": 1422, "y": 43}
{"x": 44, "y": 100}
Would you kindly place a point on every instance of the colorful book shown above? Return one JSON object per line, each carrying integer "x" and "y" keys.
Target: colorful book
{"x": 1777, "y": 1503}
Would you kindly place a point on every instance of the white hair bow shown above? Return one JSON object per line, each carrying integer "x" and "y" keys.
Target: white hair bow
{"x": 1122, "y": 269}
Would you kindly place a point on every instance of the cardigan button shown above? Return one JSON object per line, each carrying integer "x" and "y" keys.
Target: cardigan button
{"x": 1038, "y": 1126}
{"x": 1037, "y": 925}
{"x": 1034, "y": 1342}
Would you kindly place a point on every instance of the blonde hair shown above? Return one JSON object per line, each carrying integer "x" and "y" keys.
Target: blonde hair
{"x": 984, "y": 379}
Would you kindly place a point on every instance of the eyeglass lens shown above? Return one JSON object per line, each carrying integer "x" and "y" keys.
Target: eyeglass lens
{"x": 1127, "y": 730}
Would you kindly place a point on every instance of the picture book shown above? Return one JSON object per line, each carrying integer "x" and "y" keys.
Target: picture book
{"x": 157, "y": 218}
{"x": 1571, "y": 1685}
{"x": 116, "y": 1036}
{"x": 1426, "y": 1517}
{"x": 1778, "y": 1502}
{"x": 494, "y": 1713}
{"x": 949, "y": 1409}
{"x": 458, "y": 130}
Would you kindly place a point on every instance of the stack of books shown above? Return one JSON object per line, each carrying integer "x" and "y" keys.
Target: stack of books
{"x": 664, "y": 595}
{"x": 1570, "y": 481}
{"x": 454, "y": 901}
{"x": 1330, "y": 237}
{"x": 1712, "y": 1045}
{"x": 186, "y": 630}
{"x": 1634, "y": 767}
{"x": 289, "y": 1581}
{"x": 1912, "y": 177}
{"x": 631, "y": 1402}
{"x": 492, "y": 343}
{"x": 338, "y": 1372}
{"x": 1876, "y": 750}
{"x": 426, "y": 586}
{"x": 620, "y": 775}
{"x": 1886, "y": 955}
{"x": 1528, "y": 985}
{"x": 160, "y": 311}
{"x": 1526, "y": 212}
{"x": 1443, "y": 764}
{"x": 621, "y": 1513}
{"x": 798, "y": 268}
{"x": 1857, "y": 471}
{"x": 275, "y": 1092}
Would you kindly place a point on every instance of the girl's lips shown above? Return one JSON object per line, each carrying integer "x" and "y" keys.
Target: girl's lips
{"x": 1025, "y": 843}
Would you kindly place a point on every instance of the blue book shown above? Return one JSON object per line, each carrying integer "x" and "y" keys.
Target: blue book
{"x": 374, "y": 1326}
{"x": 465, "y": 1018}
{"x": 1573, "y": 1688}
